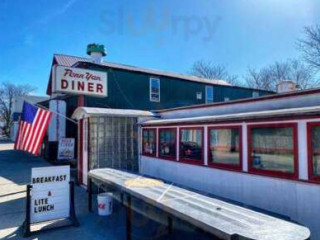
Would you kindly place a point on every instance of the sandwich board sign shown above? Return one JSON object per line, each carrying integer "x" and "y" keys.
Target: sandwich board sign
{"x": 49, "y": 196}
{"x": 50, "y": 193}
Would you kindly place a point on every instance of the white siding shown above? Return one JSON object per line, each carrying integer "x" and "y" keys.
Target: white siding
{"x": 271, "y": 104}
{"x": 298, "y": 200}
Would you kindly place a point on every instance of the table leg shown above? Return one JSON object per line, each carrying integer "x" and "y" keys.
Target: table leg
{"x": 89, "y": 195}
{"x": 129, "y": 218}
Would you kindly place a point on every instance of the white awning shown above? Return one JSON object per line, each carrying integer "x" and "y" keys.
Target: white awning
{"x": 83, "y": 112}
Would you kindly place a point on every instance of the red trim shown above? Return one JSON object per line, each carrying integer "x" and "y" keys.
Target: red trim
{"x": 265, "y": 173}
{"x": 272, "y": 172}
{"x": 155, "y": 139}
{"x": 88, "y": 147}
{"x": 81, "y": 101}
{"x": 175, "y": 143}
{"x": 310, "y": 126}
{"x": 80, "y": 153}
{"x": 188, "y": 160}
{"x": 237, "y": 167}
{"x": 255, "y": 120}
{"x": 246, "y": 100}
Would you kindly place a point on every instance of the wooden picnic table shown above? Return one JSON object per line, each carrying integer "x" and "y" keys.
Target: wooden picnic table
{"x": 219, "y": 218}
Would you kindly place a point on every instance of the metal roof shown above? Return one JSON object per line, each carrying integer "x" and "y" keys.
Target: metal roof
{"x": 238, "y": 116}
{"x": 73, "y": 61}
{"x": 246, "y": 100}
{"x": 69, "y": 61}
{"x": 83, "y": 112}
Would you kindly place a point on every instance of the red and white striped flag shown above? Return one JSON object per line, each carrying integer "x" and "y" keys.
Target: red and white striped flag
{"x": 32, "y": 128}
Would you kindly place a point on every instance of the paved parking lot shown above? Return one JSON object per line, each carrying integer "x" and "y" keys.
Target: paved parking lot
{"x": 15, "y": 171}
{"x": 15, "y": 174}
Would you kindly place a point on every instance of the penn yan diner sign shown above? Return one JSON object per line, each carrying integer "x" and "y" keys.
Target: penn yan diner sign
{"x": 50, "y": 197}
{"x": 79, "y": 81}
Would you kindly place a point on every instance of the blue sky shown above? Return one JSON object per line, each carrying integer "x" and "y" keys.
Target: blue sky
{"x": 166, "y": 35}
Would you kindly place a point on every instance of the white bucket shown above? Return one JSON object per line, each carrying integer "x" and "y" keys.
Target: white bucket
{"x": 105, "y": 204}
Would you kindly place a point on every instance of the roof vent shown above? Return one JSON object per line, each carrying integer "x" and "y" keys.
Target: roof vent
{"x": 97, "y": 52}
{"x": 286, "y": 86}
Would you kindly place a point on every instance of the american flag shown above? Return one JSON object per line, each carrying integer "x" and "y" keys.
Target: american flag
{"x": 32, "y": 127}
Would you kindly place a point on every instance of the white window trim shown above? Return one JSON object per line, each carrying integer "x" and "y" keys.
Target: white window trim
{"x": 208, "y": 86}
{"x": 255, "y": 94}
{"x": 199, "y": 95}
{"x": 150, "y": 91}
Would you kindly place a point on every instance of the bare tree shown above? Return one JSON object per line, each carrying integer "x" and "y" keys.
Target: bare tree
{"x": 208, "y": 70}
{"x": 303, "y": 75}
{"x": 260, "y": 79}
{"x": 8, "y": 92}
{"x": 267, "y": 78}
{"x": 310, "y": 46}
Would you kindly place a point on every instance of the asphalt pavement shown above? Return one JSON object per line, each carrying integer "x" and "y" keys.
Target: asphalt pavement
{"x": 15, "y": 173}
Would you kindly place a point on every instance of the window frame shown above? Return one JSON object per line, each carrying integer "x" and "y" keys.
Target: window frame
{"x": 188, "y": 160}
{"x": 155, "y": 135}
{"x": 211, "y": 87}
{"x": 150, "y": 89}
{"x": 223, "y": 165}
{"x": 310, "y": 125}
{"x": 199, "y": 95}
{"x": 159, "y": 146}
{"x": 274, "y": 173}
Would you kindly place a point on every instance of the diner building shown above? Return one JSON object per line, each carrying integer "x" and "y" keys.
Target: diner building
{"x": 92, "y": 82}
{"x": 253, "y": 147}
{"x": 261, "y": 152}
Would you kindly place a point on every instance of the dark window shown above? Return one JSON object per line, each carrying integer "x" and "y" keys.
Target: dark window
{"x": 314, "y": 150}
{"x": 273, "y": 149}
{"x": 225, "y": 147}
{"x": 191, "y": 144}
{"x": 149, "y": 142}
{"x": 209, "y": 94}
{"x": 167, "y": 143}
{"x": 154, "y": 90}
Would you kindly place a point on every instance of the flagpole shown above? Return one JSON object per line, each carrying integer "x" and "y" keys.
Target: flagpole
{"x": 59, "y": 114}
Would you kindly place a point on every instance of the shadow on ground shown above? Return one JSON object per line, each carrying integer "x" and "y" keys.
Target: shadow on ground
{"x": 15, "y": 173}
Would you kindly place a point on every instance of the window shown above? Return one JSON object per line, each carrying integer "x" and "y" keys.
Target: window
{"x": 154, "y": 90}
{"x": 149, "y": 142}
{"x": 314, "y": 150}
{"x": 255, "y": 94}
{"x": 167, "y": 143}
{"x": 209, "y": 94}
{"x": 273, "y": 149}
{"x": 225, "y": 147}
{"x": 226, "y": 99}
{"x": 199, "y": 95}
{"x": 191, "y": 145}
